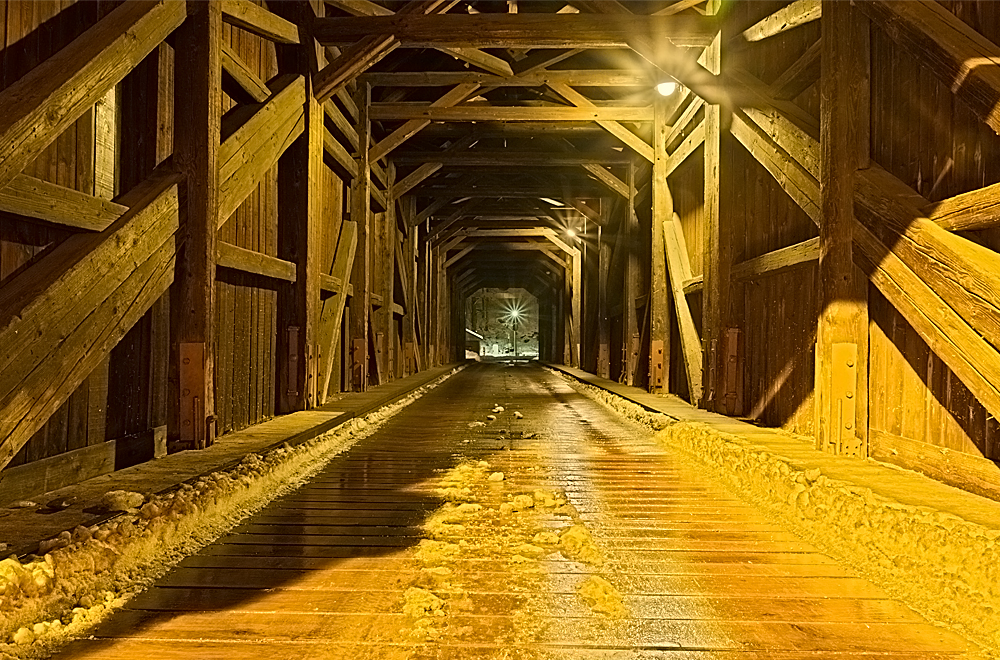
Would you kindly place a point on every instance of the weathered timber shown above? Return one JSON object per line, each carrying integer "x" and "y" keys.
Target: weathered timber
{"x": 964, "y": 274}
{"x": 971, "y": 473}
{"x": 679, "y": 271}
{"x": 603, "y": 114}
{"x": 613, "y": 183}
{"x": 77, "y": 303}
{"x": 797, "y": 143}
{"x": 332, "y": 309}
{"x": 958, "y": 55}
{"x": 43, "y": 103}
{"x": 574, "y": 77}
{"x": 255, "y": 263}
{"x": 341, "y": 122}
{"x": 361, "y": 270}
{"x": 429, "y": 211}
{"x": 247, "y": 154}
{"x": 610, "y": 124}
{"x": 841, "y": 339}
{"x": 516, "y": 30}
{"x": 453, "y": 97}
{"x": 795, "y": 79}
{"x": 586, "y": 209}
{"x": 247, "y": 81}
{"x": 348, "y": 166}
{"x": 508, "y": 158}
{"x": 659, "y": 286}
{"x": 42, "y": 476}
{"x": 685, "y": 149}
{"x": 677, "y": 7}
{"x": 414, "y": 178}
{"x": 257, "y": 19}
{"x": 777, "y": 261}
{"x": 352, "y": 62}
{"x": 717, "y": 256}
{"x": 977, "y": 209}
{"x": 968, "y": 355}
{"x": 34, "y": 198}
{"x": 800, "y": 185}
{"x": 197, "y": 112}
{"x": 687, "y": 120}
{"x": 797, "y": 13}
{"x": 474, "y": 56}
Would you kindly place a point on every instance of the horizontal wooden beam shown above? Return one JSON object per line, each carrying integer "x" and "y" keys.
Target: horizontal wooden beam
{"x": 685, "y": 149}
{"x": 34, "y": 198}
{"x": 61, "y": 317}
{"x": 247, "y": 154}
{"x": 513, "y": 191}
{"x": 451, "y": 98}
{"x": 798, "y": 13}
{"x": 410, "y": 111}
{"x": 330, "y": 284}
{"x": 576, "y": 78}
{"x": 610, "y": 124}
{"x": 795, "y": 79}
{"x": 248, "y": 81}
{"x": 254, "y": 18}
{"x": 525, "y": 30}
{"x": 44, "y": 102}
{"x": 961, "y": 58}
{"x": 254, "y": 263}
{"x": 777, "y": 261}
{"x": 974, "y": 210}
{"x": 354, "y": 61}
{"x": 509, "y": 158}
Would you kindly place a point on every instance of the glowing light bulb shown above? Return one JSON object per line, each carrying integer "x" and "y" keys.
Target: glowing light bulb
{"x": 571, "y": 232}
{"x": 666, "y": 88}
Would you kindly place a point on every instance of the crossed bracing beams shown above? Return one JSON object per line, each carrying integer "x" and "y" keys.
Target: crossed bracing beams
{"x": 944, "y": 284}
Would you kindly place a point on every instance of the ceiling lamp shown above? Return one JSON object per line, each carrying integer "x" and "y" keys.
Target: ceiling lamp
{"x": 667, "y": 88}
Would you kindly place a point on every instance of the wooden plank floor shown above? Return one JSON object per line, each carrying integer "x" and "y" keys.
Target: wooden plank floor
{"x": 327, "y": 571}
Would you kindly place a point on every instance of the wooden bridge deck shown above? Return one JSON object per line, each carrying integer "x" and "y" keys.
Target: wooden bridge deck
{"x": 340, "y": 568}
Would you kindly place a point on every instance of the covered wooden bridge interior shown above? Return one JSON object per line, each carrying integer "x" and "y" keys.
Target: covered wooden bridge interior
{"x": 215, "y": 213}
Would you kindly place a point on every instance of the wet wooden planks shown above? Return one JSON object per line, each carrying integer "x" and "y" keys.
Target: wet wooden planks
{"x": 322, "y": 571}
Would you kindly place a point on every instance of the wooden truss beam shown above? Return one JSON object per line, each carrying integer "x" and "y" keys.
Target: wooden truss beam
{"x": 517, "y": 30}
{"x": 332, "y": 309}
{"x": 604, "y": 114}
{"x": 509, "y": 158}
{"x": 474, "y": 56}
{"x": 452, "y": 98}
{"x": 258, "y": 20}
{"x": 795, "y": 79}
{"x": 247, "y": 81}
{"x": 247, "y": 154}
{"x": 797, "y": 13}
{"x": 44, "y": 102}
{"x": 977, "y": 209}
{"x": 679, "y": 270}
{"x": 777, "y": 261}
{"x": 577, "y": 78}
{"x": 63, "y": 315}
{"x": 255, "y": 263}
{"x": 35, "y": 198}
{"x": 964, "y": 60}
{"x": 608, "y": 123}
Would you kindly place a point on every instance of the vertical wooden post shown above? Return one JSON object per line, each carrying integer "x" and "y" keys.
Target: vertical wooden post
{"x": 630, "y": 340}
{"x": 842, "y": 340}
{"x": 603, "y": 320}
{"x": 715, "y": 269}
{"x": 577, "y": 293}
{"x": 197, "y": 111}
{"x": 361, "y": 214}
{"x": 409, "y": 252}
{"x": 300, "y": 194}
{"x": 659, "y": 289}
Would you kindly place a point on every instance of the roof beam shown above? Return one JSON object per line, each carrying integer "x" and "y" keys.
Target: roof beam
{"x": 421, "y": 115}
{"x": 415, "y": 124}
{"x": 609, "y": 124}
{"x": 534, "y": 30}
{"x": 964, "y": 60}
{"x": 474, "y": 56}
{"x": 508, "y": 158}
{"x": 798, "y": 13}
{"x": 576, "y": 77}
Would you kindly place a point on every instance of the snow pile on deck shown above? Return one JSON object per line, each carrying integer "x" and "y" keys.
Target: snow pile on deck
{"x": 81, "y": 576}
{"x": 943, "y": 566}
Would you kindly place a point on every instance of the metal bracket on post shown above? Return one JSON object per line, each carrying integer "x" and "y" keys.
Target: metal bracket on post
{"x": 656, "y": 365}
{"x": 359, "y": 364}
{"x": 844, "y": 386}
{"x": 192, "y": 400}
{"x": 733, "y": 372}
{"x": 293, "y": 362}
{"x": 713, "y": 361}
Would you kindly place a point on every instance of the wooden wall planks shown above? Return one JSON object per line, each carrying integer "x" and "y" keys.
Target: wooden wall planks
{"x": 246, "y": 304}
